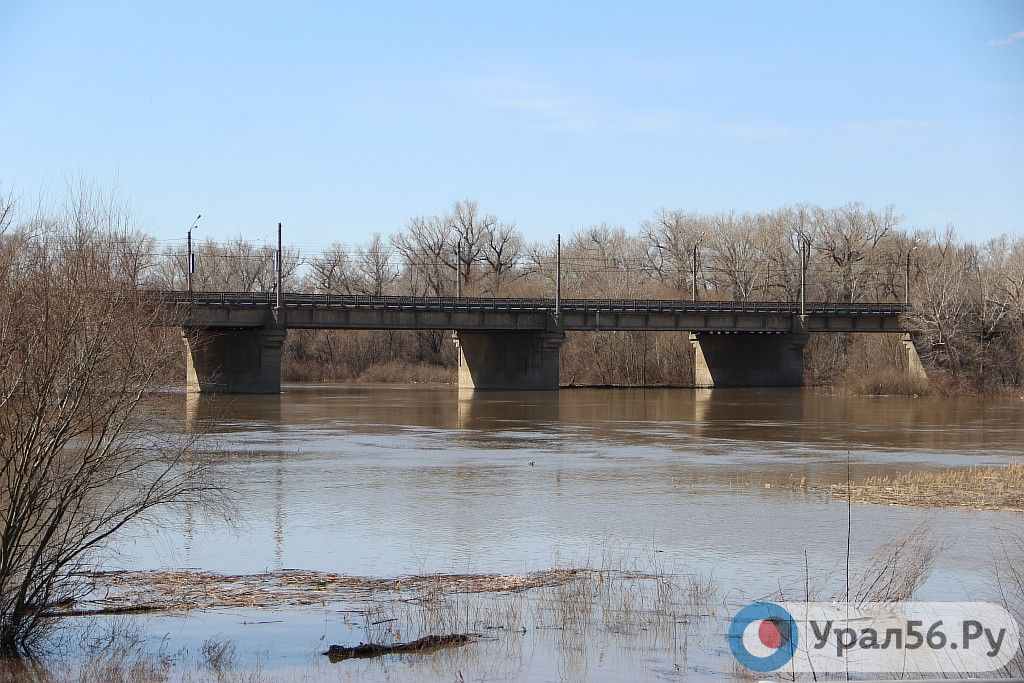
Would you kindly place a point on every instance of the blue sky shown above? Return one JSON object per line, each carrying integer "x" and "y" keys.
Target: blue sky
{"x": 341, "y": 119}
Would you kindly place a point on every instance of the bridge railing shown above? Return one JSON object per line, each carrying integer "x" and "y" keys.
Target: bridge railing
{"x": 293, "y": 299}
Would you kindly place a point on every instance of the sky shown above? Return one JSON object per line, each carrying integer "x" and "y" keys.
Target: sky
{"x": 345, "y": 118}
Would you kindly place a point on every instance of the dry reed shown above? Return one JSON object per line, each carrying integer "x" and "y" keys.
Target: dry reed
{"x": 977, "y": 488}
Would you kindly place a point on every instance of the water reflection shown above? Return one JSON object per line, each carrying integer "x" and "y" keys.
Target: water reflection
{"x": 634, "y": 416}
{"x": 480, "y": 410}
{"x": 225, "y": 413}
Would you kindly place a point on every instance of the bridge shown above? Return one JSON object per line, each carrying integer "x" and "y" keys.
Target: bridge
{"x": 233, "y": 340}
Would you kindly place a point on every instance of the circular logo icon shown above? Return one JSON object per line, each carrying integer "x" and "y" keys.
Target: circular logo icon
{"x": 763, "y": 636}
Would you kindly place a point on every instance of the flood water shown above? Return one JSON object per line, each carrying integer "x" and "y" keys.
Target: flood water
{"x": 387, "y": 481}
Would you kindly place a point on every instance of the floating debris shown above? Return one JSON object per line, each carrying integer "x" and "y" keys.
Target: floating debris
{"x": 120, "y": 592}
{"x": 425, "y": 645}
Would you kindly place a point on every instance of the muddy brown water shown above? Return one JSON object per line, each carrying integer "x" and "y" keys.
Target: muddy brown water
{"x": 389, "y": 480}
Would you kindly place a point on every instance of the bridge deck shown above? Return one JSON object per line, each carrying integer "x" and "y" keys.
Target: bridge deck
{"x": 332, "y": 311}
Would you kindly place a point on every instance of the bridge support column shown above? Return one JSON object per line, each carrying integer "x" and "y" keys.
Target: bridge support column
{"x": 233, "y": 361}
{"x": 914, "y": 365}
{"x": 748, "y": 360}
{"x": 512, "y": 360}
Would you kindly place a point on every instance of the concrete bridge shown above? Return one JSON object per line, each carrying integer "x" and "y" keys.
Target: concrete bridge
{"x": 233, "y": 340}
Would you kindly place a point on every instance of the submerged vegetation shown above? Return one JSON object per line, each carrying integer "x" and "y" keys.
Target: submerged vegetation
{"x": 573, "y": 623}
{"x": 581, "y": 616}
{"x": 977, "y": 488}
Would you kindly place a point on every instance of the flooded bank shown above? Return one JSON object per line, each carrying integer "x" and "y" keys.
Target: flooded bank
{"x": 397, "y": 481}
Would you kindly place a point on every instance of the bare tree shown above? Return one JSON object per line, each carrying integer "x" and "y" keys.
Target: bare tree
{"x": 849, "y": 236}
{"x": 502, "y": 253}
{"x": 80, "y": 455}
{"x": 739, "y": 261}
{"x": 331, "y": 271}
{"x": 670, "y": 238}
{"x": 425, "y": 245}
{"x": 942, "y": 310}
{"x": 375, "y": 268}
{"x": 441, "y": 251}
{"x": 471, "y": 231}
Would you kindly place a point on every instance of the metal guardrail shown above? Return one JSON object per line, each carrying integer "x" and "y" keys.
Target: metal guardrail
{"x": 296, "y": 300}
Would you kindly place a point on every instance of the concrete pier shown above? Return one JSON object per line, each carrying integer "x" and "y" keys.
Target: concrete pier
{"x": 914, "y": 365}
{"x": 748, "y": 359}
{"x": 510, "y": 360}
{"x": 233, "y": 361}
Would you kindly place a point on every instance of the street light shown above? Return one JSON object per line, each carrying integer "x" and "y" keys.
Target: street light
{"x": 696, "y": 245}
{"x": 906, "y": 296}
{"x": 191, "y": 266}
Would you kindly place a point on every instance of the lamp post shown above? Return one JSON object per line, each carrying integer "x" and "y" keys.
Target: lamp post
{"x": 190, "y": 267}
{"x": 906, "y": 291}
{"x": 696, "y": 246}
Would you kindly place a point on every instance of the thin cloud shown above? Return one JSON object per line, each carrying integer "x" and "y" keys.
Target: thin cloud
{"x": 754, "y": 131}
{"x": 770, "y": 131}
{"x": 543, "y": 105}
{"x": 1014, "y": 37}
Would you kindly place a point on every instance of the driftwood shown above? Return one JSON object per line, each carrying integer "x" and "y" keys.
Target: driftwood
{"x": 338, "y": 653}
{"x": 124, "y": 609}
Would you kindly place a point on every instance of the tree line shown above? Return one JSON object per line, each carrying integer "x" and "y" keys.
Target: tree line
{"x": 967, "y": 298}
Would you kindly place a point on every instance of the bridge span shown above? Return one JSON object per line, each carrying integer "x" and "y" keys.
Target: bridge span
{"x": 233, "y": 340}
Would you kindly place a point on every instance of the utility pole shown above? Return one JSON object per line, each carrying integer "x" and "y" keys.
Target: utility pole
{"x": 190, "y": 267}
{"x": 558, "y": 276}
{"x": 279, "y": 265}
{"x": 803, "y": 275}
{"x": 458, "y": 269}
{"x": 696, "y": 245}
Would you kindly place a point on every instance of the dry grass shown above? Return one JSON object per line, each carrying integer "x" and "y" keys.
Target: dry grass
{"x": 383, "y": 372}
{"x": 897, "y": 568}
{"x": 401, "y": 372}
{"x": 888, "y": 382}
{"x": 977, "y": 488}
{"x": 1008, "y": 577}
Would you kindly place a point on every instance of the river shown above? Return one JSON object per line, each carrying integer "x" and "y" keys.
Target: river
{"x": 386, "y": 481}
